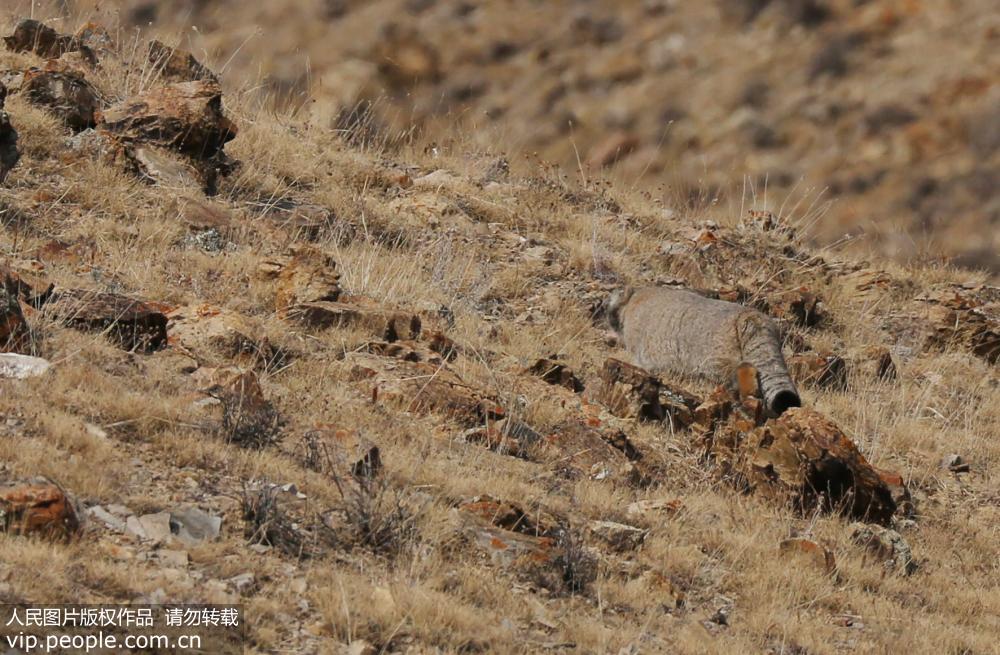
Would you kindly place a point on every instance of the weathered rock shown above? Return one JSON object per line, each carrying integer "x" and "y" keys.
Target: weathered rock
{"x": 34, "y": 36}
{"x": 815, "y": 551}
{"x": 555, "y": 372}
{"x": 955, "y": 463}
{"x": 968, "y": 318}
{"x": 876, "y": 361}
{"x": 824, "y": 370}
{"x": 185, "y": 116}
{"x": 341, "y": 453}
{"x": 177, "y": 65}
{"x": 134, "y": 324}
{"x": 154, "y": 527}
{"x": 804, "y": 456}
{"x": 619, "y": 536}
{"x": 886, "y": 545}
{"x": 388, "y": 325}
{"x": 37, "y": 506}
{"x": 210, "y": 333}
{"x": 633, "y": 393}
{"x": 306, "y": 275}
{"x": 424, "y": 388}
{"x": 509, "y": 516}
{"x": 798, "y": 306}
{"x": 248, "y": 417}
{"x": 192, "y": 525}
{"x": 9, "y": 154}
{"x": 578, "y": 450}
{"x": 165, "y": 168}
{"x": 15, "y": 335}
{"x": 66, "y": 93}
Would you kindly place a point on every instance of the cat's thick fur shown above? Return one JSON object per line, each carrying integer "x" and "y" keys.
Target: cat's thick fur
{"x": 682, "y": 332}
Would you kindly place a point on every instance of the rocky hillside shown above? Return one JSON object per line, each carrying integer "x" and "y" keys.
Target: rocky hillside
{"x": 880, "y": 114}
{"x": 368, "y": 392}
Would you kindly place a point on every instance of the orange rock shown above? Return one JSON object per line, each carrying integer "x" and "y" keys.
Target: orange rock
{"x": 824, "y": 370}
{"x": 65, "y": 93}
{"x": 134, "y": 324}
{"x": 177, "y": 65}
{"x": 37, "y": 507}
{"x": 555, "y": 372}
{"x": 185, "y": 116}
{"x": 309, "y": 276}
{"x": 634, "y": 393}
{"x": 805, "y": 456}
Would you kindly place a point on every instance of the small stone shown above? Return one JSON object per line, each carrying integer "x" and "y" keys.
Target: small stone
{"x": 619, "y": 536}
{"x": 955, "y": 463}
{"x": 107, "y": 518}
{"x": 172, "y": 558}
{"x": 155, "y": 527}
{"x": 192, "y": 525}
{"x": 887, "y": 545}
{"x": 21, "y": 367}
{"x": 242, "y": 582}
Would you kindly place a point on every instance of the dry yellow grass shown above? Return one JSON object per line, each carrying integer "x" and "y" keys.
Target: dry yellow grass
{"x": 464, "y": 245}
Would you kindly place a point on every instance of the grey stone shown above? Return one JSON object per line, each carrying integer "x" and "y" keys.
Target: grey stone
{"x": 107, "y": 518}
{"x": 156, "y": 527}
{"x": 21, "y": 367}
{"x": 192, "y": 525}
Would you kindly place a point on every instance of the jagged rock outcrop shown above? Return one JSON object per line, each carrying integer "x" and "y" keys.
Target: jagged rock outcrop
{"x": 186, "y": 117}
{"x": 133, "y": 324}
{"x": 9, "y": 154}
{"x": 37, "y": 506}
{"x": 66, "y": 93}
{"x": 176, "y": 64}
{"x": 34, "y": 36}
{"x": 805, "y": 457}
